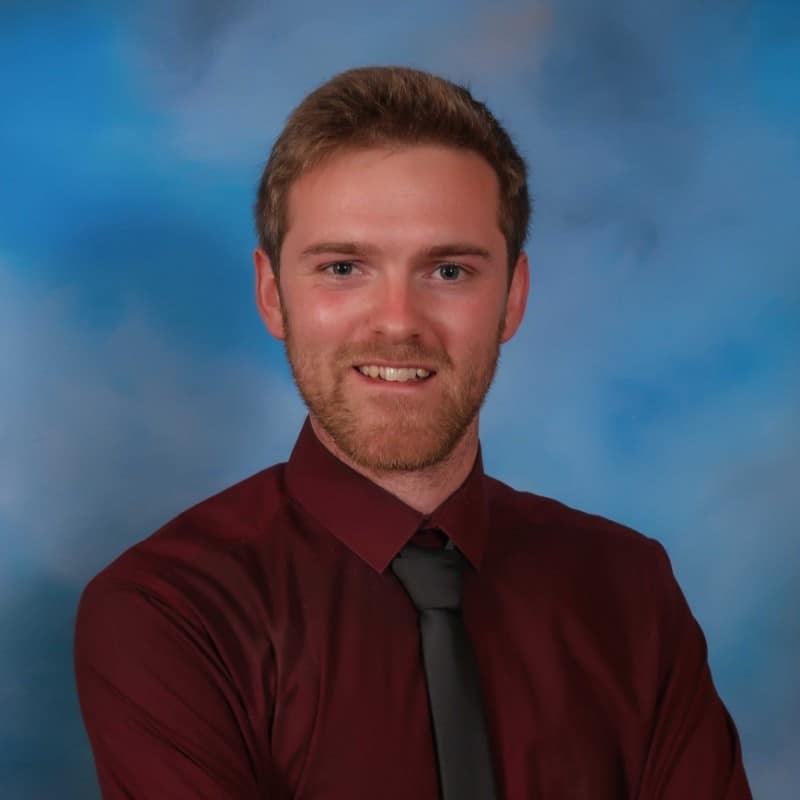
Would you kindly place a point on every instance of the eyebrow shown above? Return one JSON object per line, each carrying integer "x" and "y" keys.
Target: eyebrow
{"x": 360, "y": 248}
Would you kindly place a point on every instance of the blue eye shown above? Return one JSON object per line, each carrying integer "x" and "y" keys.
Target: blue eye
{"x": 450, "y": 272}
{"x": 340, "y": 268}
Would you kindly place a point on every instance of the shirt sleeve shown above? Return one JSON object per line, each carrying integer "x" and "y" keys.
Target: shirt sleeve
{"x": 159, "y": 709}
{"x": 694, "y": 750}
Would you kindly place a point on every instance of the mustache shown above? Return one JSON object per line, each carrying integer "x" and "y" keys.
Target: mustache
{"x": 405, "y": 353}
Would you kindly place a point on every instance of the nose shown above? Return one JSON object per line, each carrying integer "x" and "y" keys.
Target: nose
{"x": 397, "y": 309}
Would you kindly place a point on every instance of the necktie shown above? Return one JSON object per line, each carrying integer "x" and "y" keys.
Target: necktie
{"x": 433, "y": 579}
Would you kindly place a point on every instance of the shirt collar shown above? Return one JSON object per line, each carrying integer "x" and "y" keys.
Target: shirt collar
{"x": 371, "y": 521}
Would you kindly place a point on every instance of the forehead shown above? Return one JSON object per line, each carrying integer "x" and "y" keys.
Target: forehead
{"x": 420, "y": 191}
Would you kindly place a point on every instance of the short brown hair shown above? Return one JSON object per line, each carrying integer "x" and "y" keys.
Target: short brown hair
{"x": 374, "y": 106}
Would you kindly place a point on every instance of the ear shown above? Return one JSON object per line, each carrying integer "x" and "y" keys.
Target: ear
{"x": 517, "y": 298}
{"x": 268, "y": 298}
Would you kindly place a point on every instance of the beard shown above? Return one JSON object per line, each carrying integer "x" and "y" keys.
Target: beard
{"x": 386, "y": 433}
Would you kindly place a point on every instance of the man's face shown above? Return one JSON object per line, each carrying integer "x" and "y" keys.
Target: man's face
{"x": 394, "y": 258}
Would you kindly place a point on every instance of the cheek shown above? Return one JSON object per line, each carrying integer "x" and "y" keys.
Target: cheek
{"x": 470, "y": 322}
{"x": 322, "y": 316}
{"x": 330, "y": 315}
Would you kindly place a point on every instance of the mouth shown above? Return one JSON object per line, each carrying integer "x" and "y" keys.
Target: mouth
{"x": 395, "y": 374}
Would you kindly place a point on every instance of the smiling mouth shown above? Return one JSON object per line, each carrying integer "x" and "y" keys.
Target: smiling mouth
{"x": 395, "y": 374}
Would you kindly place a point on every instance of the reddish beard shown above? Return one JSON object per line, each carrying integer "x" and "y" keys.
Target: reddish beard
{"x": 396, "y": 433}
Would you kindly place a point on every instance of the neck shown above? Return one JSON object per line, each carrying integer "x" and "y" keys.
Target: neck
{"x": 425, "y": 489}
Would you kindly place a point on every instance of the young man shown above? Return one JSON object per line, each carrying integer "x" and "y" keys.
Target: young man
{"x": 303, "y": 633}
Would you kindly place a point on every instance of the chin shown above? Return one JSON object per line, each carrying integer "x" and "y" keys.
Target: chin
{"x": 397, "y": 446}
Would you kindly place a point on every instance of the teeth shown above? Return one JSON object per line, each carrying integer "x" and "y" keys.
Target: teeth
{"x": 399, "y": 374}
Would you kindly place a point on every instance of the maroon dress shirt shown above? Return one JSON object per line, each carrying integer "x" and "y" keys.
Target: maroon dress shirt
{"x": 259, "y": 646}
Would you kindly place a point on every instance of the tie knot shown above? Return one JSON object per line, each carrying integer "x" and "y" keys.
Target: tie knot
{"x": 432, "y": 578}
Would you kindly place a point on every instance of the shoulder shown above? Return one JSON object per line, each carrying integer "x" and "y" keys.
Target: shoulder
{"x": 190, "y": 562}
{"x": 583, "y": 540}
{"x": 590, "y": 570}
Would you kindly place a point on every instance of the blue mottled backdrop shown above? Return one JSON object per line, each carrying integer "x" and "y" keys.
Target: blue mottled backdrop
{"x": 655, "y": 379}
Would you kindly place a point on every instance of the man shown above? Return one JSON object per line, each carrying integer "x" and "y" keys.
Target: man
{"x": 271, "y": 642}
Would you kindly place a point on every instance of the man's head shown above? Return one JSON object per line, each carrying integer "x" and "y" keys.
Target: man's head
{"x": 394, "y": 252}
{"x": 384, "y": 106}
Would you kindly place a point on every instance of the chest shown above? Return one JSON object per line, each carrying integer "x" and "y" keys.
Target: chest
{"x": 350, "y": 714}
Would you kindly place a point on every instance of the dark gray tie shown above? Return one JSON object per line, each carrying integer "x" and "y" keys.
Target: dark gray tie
{"x": 433, "y": 579}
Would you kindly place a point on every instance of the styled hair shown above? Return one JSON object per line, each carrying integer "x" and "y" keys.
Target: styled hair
{"x": 379, "y": 106}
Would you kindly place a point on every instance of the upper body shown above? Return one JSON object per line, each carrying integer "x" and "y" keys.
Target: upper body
{"x": 257, "y": 646}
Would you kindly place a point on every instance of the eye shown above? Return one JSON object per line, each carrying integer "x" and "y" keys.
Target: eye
{"x": 450, "y": 272}
{"x": 340, "y": 269}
